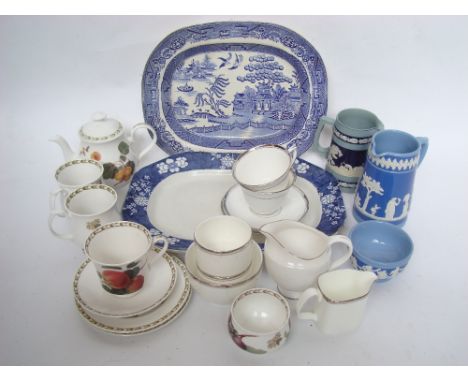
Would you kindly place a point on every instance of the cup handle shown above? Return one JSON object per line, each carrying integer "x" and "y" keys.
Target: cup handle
{"x": 342, "y": 259}
{"x": 293, "y": 153}
{"x": 153, "y": 138}
{"x": 316, "y": 145}
{"x": 157, "y": 251}
{"x": 303, "y": 299}
{"x": 57, "y": 213}
{"x": 53, "y": 197}
{"x": 424, "y": 142}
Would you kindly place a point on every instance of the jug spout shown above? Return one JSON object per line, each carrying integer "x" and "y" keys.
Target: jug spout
{"x": 366, "y": 279}
{"x": 68, "y": 153}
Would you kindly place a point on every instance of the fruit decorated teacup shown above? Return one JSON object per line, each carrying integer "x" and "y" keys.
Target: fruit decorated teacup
{"x": 121, "y": 253}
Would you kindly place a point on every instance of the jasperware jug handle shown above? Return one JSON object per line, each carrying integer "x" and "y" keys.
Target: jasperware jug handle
{"x": 316, "y": 145}
{"x": 349, "y": 249}
{"x": 424, "y": 142}
{"x": 303, "y": 299}
{"x": 157, "y": 251}
{"x": 153, "y": 138}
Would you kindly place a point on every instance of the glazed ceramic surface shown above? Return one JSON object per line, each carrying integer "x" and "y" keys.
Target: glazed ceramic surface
{"x": 340, "y": 300}
{"x": 77, "y": 173}
{"x": 385, "y": 190}
{"x": 159, "y": 285}
{"x": 155, "y": 319}
{"x": 158, "y": 197}
{"x": 259, "y": 321}
{"x": 223, "y": 246}
{"x": 86, "y": 209}
{"x": 380, "y": 247}
{"x": 223, "y": 292}
{"x": 295, "y": 207}
{"x": 352, "y": 132}
{"x": 122, "y": 253}
{"x": 270, "y": 201}
{"x": 230, "y": 86}
{"x": 105, "y": 140}
{"x": 296, "y": 254}
{"x": 263, "y": 167}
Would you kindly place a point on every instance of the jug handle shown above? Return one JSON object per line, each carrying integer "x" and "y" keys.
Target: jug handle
{"x": 303, "y": 299}
{"x": 153, "y": 138}
{"x": 424, "y": 142}
{"x": 316, "y": 145}
{"x": 157, "y": 251}
{"x": 52, "y": 216}
{"x": 349, "y": 249}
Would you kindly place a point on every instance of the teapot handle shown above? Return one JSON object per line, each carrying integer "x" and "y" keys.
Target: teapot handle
{"x": 153, "y": 138}
{"x": 349, "y": 245}
{"x": 316, "y": 145}
{"x": 303, "y": 299}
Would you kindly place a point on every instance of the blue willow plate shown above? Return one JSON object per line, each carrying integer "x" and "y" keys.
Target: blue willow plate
{"x": 146, "y": 179}
{"x": 230, "y": 86}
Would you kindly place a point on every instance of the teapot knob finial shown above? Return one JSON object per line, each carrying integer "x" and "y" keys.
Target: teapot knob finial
{"x": 99, "y": 116}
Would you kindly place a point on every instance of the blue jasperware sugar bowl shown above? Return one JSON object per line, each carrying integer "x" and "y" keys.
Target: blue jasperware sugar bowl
{"x": 380, "y": 247}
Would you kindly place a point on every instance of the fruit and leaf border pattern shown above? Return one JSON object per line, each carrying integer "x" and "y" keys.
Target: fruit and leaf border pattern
{"x": 147, "y": 178}
{"x": 290, "y": 41}
{"x": 174, "y": 312}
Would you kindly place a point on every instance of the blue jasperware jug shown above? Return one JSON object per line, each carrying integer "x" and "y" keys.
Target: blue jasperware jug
{"x": 385, "y": 189}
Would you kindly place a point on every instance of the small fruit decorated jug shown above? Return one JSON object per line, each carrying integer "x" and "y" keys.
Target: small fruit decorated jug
{"x": 105, "y": 140}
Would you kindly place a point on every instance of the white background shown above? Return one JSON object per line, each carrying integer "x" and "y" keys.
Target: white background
{"x": 54, "y": 72}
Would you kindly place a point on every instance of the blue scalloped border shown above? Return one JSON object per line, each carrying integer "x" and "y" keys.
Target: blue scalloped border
{"x": 147, "y": 178}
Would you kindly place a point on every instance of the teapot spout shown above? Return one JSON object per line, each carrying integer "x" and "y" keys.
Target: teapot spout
{"x": 68, "y": 153}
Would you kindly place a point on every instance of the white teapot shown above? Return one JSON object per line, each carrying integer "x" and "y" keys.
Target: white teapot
{"x": 105, "y": 140}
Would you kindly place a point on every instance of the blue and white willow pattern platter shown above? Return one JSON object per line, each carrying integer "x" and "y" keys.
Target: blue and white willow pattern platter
{"x": 146, "y": 179}
{"x": 230, "y": 86}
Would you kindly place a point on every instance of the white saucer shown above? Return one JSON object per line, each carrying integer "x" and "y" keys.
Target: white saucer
{"x": 168, "y": 311}
{"x": 253, "y": 270}
{"x": 159, "y": 284}
{"x": 296, "y": 205}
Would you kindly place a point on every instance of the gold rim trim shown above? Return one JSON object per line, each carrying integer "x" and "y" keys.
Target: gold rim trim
{"x": 159, "y": 323}
{"x": 141, "y": 311}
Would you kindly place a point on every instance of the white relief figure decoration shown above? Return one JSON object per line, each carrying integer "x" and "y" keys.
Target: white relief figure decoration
{"x": 357, "y": 200}
{"x": 406, "y": 200}
{"x": 374, "y": 209}
{"x": 391, "y": 207}
{"x": 334, "y": 153}
{"x": 372, "y": 186}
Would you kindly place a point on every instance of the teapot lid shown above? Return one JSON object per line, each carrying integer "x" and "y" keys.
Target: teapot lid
{"x": 101, "y": 128}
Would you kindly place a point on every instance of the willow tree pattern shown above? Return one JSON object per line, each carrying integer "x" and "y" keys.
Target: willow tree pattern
{"x": 213, "y": 96}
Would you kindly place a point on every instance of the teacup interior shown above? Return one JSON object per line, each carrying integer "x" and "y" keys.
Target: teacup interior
{"x": 223, "y": 233}
{"x": 91, "y": 201}
{"x": 262, "y": 166}
{"x": 260, "y": 313}
{"x": 118, "y": 245}
{"x": 381, "y": 242}
{"x": 79, "y": 174}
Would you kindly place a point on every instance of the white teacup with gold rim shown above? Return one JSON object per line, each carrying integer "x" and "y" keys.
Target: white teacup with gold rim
{"x": 74, "y": 174}
{"x": 86, "y": 208}
{"x": 121, "y": 252}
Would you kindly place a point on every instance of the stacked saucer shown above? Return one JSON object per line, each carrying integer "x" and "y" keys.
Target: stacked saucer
{"x": 165, "y": 295}
{"x": 223, "y": 260}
